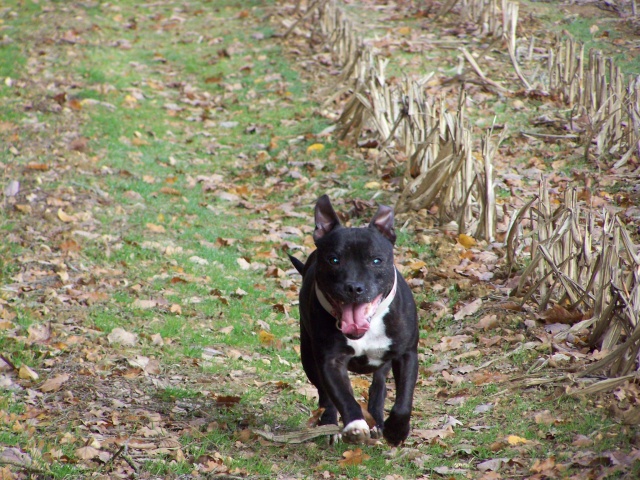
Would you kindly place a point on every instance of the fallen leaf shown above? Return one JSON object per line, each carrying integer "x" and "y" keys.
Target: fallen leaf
{"x": 54, "y": 384}
{"x": 26, "y": 373}
{"x": 582, "y": 441}
{"x": 314, "y": 148}
{"x": 87, "y": 453}
{"x": 227, "y": 400}
{"x": 492, "y": 465}
{"x": 266, "y": 338}
{"x": 432, "y": 434}
{"x": 544, "y": 417}
{"x": 515, "y": 440}
{"x": 451, "y": 343}
{"x": 466, "y": 241}
{"x": 226, "y": 330}
{"x": 170, "y": 191}
{"x": 144, "y": 304}
{"x": 544, "y": 466}
{"x": 65, "y": 217}
{"x": 153, "y": 228}
{"x": 315, "y": 417}
{"x": 469, "y": 309}
{"x": 488, "y": 322}
{"x": 39, "y": 333}
{"x": 121, "y": 336}
{"x": 353, "y": 457}
{"x": 14, "y": 456}
{"x": 559, "y": 314}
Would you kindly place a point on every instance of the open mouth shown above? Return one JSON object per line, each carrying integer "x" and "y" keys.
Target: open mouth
{"x": 355, "y": 318}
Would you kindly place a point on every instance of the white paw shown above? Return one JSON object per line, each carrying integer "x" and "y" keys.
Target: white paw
{"x": 356, "y": 431}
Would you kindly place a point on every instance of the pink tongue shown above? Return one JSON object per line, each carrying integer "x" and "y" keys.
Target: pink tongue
{"x": 353, "y": 321}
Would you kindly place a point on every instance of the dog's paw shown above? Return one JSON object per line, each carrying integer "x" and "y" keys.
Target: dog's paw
{"x": 376, "y": 432}
{"x": 356, "y": 431}
{"x": 396, "y": 429}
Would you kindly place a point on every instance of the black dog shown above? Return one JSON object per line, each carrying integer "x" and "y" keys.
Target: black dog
{"x": 357, "y": 313}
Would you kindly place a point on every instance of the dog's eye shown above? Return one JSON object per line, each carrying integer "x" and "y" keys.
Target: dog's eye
{"x": 334, "y": 260}
{"x": 377, "y": 261}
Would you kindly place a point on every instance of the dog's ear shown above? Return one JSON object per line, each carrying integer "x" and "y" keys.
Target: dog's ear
{"x": 383, "y": 221}
{"x": 326, "y": 218}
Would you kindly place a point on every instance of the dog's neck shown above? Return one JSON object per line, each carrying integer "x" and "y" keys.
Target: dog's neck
{"x": 382, "y": 307}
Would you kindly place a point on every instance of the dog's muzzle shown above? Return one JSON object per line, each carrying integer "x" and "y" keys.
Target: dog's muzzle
{"x": 354, "y": 319}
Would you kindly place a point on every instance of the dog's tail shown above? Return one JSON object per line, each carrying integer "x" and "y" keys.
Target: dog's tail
{"x": 296, "y": 263}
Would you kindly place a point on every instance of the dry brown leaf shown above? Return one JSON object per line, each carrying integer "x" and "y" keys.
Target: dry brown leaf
{"x": 39, "y": 333}
{"x": 144, "y": 304}
{"x": 544, "y": 466}
{"x": 544, "y": 417}
{"x": 559, "y": 314}
{"x": 227, "y": 400}
{"x": 582, "y": 441}
{"x": 451, "y": 343}
{"x": 469, "y": 309}
{"x": 153, "y": 228}
{"x": 87, "y": 453}
{"x": 121, "y": 336}
{"x": 315, "y": 417}
{"x": 353, "y": 457}
{"x": 170, "y": 191}
{"x": 433, "y": 434}
{"x": 488, "y": 322}
{"x": 54, "y": 384}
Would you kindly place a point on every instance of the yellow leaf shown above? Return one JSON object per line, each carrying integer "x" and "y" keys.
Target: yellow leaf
{"x": 466, "y": 241}
{"x": 27, "y": 373}
{"x": 372, "y": 185}
{"x": 416, "y": 265}
{"x": 266, "y": 338}
{"x": 404, "y": 30}
{"x": 316, "y": 147}
{"x": 66, "y": 218}
{"x": 515, "y": 440}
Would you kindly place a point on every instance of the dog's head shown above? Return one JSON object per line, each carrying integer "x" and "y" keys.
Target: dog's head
{"x": 354, "y": 266}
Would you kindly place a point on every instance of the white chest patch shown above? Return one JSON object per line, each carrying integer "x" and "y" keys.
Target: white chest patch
{"x": 375, "y": 343}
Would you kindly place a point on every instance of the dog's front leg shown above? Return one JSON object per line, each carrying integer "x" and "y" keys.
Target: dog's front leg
{"x": 405, "y": 374}
{"x": 338, "y": 386}
{"x": 377, "y": 395}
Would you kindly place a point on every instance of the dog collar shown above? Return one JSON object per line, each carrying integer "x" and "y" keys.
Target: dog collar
{"x": 384, "y": 304}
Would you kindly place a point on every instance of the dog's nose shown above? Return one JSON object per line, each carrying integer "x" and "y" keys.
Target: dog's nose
{"x": 354, "y": 288}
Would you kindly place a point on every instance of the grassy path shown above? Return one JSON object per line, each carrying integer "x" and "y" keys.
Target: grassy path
{"x": 157, "y": 160}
